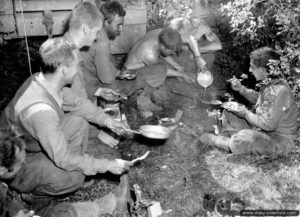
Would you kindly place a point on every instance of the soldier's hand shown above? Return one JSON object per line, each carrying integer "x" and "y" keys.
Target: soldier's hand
{"x": 200, "y": 63}
{"x": 117, "y": 127}
{"x": 108, "y": 94}
{"x": 240, "y": 111}
{"x": 235, "y": 84}
{"x": 119, "y": 166}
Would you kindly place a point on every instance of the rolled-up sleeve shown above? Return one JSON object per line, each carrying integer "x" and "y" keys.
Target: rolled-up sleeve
{"x": 44, "y": 126}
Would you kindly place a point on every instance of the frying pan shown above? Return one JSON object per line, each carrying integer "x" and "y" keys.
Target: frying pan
{"x": 154, "y": 131}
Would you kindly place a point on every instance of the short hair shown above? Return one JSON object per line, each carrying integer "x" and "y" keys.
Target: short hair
{"x": 262, "y": 56}
{"x": 111, "y": 8}
{"x": 171, "y": 39}
{"x": 55, "y": 52}
{"x": 9, "y": 142}
{"x": 85, "y": 13}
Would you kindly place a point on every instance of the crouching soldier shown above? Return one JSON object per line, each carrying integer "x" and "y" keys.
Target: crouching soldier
{"x": 12, "y": 157}
{"x": 150, "y": 59}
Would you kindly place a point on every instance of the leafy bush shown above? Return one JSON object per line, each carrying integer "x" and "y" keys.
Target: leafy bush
{"x": 273, "y": 23}
{"x": 162, "y": 10}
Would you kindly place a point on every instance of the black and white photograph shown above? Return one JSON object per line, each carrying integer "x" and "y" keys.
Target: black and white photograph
{"x": 149, "y": 108}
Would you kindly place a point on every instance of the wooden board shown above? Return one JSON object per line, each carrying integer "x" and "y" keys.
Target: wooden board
{"x": 7, "y": 23}
{"x": 34, "y": 26}
{"x": 6, "y": 7}
{"x": 134, "y": 28}
{"x": 41, "y": 5}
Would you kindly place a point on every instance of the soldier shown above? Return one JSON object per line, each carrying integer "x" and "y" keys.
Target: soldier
{"x": 198, "y": 35}
{"x": 150, "y": 59}
{"x": 272, "y": 128}
{"x": 54, "y": 121}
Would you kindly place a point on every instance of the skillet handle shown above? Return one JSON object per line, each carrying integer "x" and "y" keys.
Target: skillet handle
{"x": 134, "y": 131}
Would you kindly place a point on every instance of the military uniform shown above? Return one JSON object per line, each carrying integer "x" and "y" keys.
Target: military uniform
{"x": 271, "y": 129}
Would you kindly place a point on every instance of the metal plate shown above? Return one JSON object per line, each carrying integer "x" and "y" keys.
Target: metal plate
{"x": 155, "y": 131}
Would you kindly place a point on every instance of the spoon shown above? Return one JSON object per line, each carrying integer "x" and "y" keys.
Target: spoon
{"x": 140, "y": 158}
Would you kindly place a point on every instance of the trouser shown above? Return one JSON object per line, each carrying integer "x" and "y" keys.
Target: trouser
{"x": 104, "y": 205}
{"x": 151, "y": 75}
{"x": 41, "y": 177}
{"x": 246, "y": 140}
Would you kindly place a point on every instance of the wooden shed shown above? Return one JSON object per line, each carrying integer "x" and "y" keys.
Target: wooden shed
{"x": 13, "y": 22}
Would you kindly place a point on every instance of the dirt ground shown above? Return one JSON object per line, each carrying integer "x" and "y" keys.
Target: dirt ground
{"x": 180, "y": 171}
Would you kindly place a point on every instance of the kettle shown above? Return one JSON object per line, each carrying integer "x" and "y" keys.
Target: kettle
{"x": 205, "y": 78}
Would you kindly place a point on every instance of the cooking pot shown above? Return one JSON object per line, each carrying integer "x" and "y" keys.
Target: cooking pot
{"x": 205, "y": 78}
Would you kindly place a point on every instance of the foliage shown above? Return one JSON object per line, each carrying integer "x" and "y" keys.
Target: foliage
{"x": 162, "y": 10}
{"x": 273, "y": 23}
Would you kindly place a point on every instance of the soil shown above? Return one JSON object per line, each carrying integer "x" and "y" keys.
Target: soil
{"x": 180, "y": 170}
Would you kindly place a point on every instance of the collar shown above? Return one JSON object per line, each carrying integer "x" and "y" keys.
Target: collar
{"x": 40, "y": 78}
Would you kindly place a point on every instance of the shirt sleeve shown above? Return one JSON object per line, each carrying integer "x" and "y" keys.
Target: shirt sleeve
{"x": 269, "y": 110}
{"x": 83, "y": 107}
{"x": 250, "y": 95}
{"x": 105, "y": 69}
{"x": 45, "y": 126}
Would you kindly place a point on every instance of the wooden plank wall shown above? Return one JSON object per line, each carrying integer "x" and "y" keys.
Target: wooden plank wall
{"x": 135, "y": 20}
{"x": 7, "y": 22}
{"x": 41, "y": 5}
{"x": 34, "y": 26}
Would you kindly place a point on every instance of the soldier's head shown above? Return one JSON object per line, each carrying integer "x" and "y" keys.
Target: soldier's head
{"x": 114, "y": 14}
{"x": 169, "y": 42}
{"x": 200, "y": 15}
{"x": 85, "y": 23}
{"x": 259, "y": 62}
{"x": 12, "y": 153}
{"x": 59, "y": 57}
